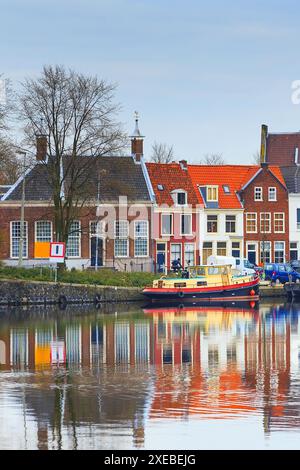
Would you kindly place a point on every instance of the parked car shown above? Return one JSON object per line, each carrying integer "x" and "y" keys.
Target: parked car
{"x": 296, "y": 265}
{"x": 282, "y": 272}
{"x": 258, "y": 269}
{"x": 236, "y": 263}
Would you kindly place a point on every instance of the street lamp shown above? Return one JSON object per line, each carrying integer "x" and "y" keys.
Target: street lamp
{"x": 21, "y": 239}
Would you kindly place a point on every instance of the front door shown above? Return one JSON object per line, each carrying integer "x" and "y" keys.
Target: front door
{"x": 96, "y": 251}
{"x": 160, "y": 257}
{"x": 251, "y": 252}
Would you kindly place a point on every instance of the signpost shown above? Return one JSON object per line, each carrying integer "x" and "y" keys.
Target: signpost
{"x": 57, "y": 254}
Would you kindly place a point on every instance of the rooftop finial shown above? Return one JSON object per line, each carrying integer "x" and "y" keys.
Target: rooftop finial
{"x": 136, "y": 133}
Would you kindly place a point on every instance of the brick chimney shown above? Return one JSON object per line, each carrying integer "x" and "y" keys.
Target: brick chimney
{"x": 137, "y": 141}
{"x": 41, "y": 147}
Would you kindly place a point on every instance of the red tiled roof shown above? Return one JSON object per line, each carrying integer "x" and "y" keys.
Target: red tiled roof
{"x": 172, "y": 177}
{"x": 234, "y": 176}
{"x": 281, "y": 148}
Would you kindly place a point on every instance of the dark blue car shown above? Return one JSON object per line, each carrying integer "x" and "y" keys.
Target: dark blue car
{"x": 280, "y": 271}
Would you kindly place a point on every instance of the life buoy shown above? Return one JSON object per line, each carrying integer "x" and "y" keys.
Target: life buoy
{"x": 181, "y": 294}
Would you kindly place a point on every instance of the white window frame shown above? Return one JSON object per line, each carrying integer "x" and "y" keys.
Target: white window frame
{"x": 191, "y": 227}
{"x": 194, "y": 250}
{"x": 171, "y": 244}
{"x": 174, "y": 195}
{"x": 261, "y": 193}
{"x": 35, "y": 230}
{"x": 251, "y": 213}
{"x": 260, "y": 252}
{"x": 279, "y": 241}
{"x": 260, "y": 222}
{"x": 269, "y": 193}
{"x": 212, "y": 187}
{"x": 25, "y": 238}
{"x": 79, "y": 242}
{"x": 215, "y": 221}
{"x": 143, "y": 238}
{"x": 230, "y": 222}
{"x": 283, "y": 222}
{"x": 122, "y": 237}
{"x": 163, "y": 214}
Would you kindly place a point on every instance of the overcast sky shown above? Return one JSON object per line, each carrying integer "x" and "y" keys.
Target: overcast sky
{"x": 203, "y": 75}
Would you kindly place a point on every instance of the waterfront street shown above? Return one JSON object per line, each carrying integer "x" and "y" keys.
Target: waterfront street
{"x": 136, "y": 378}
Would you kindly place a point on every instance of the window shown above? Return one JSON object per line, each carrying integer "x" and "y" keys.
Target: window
{"x": 207, "y": 251}
{"x": 160, "y": 187}
{"x": 230, "y": 223}
{"x": 279, "y": 222}
{"x": 236, "y": 249}
{"x": 258, "y": 194}
{"x": 121, "y": 238}
{"x": 212, "y": 193}
{"x": 73, "y": 245}
{"x": 186, "y": 224}
{"x": 298, "y": 219}
{"x": 221, "y": 249}
{"x": 179, "y": 198}
{"x": 272, "y": 194}
{"x": 175, "y": 251}
{"x": 251, "y": 222}
{"x": 226, "y": 189}
{"x": 279, "y": 252}
{"x": 265, "y": 252}
{"x": 15, "y": 235}
{"x": 140, "y": 238}
{"x": 166, "y": 224}
{"x": 189, "y": 254}
{"x": 293, "y": 251}
{"x": 43, "y": 231}
{"x": 265, "y": 222}
{"x": 212, "y": 223}
{"x": 97, "y": 227}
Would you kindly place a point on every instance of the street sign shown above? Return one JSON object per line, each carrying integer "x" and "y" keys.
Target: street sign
{"x": 57, "y": 252}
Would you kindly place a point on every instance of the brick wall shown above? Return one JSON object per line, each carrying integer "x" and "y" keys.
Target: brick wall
{"x": 265, "y": 180}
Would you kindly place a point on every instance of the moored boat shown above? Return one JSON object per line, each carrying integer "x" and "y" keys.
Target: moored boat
{"x": 205, "y": 283}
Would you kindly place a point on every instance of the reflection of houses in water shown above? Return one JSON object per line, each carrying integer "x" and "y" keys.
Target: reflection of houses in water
{"x": 207, "y": 362}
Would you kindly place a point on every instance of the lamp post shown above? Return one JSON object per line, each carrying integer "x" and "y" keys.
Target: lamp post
{"x": 21, "y": 239}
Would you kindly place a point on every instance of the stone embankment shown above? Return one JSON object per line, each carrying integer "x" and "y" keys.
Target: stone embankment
{"x": 19, "y": 292}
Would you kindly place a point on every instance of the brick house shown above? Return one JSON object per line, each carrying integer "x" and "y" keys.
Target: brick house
{"x": 113, "y": 229}
{"x": 282, "y": 149}
{"x": 175, "y": 231}
{"x": 266, "y": 215}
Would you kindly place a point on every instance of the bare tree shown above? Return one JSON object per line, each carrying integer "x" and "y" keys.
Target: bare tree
{"x": 213, "y": 159}
{"x": 162, "y": 153}
{"x": 77, "y": 113}
{"x": 256, "y": 158}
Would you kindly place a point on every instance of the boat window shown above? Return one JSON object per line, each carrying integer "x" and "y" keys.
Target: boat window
{"x": 213, "y": 270}
{"x": 179, "y": 284}
{"x": 202, "y": 283}
{"x": 201, "y": 271}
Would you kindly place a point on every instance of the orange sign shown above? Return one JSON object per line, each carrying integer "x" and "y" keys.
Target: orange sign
{"x": 41, "y": 249}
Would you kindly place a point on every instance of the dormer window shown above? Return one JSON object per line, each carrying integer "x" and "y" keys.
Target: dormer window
{"x": 212, "y": 193}
{"x": 179, "y": 197}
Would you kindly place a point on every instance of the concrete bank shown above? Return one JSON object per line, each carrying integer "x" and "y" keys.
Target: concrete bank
{"x": 20, "y": 292}
{"x": 266, "y": 291}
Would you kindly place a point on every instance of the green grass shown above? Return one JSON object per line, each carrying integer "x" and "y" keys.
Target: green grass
{"x": 104, "y": 277}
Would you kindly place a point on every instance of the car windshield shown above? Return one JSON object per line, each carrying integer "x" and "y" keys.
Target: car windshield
{"x": 289, "y": 269}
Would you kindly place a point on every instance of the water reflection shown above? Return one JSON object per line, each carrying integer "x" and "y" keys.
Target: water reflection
{"x": 112, "y": 380}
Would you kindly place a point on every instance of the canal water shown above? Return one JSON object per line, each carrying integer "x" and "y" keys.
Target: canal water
{"x": 134, "y": 378}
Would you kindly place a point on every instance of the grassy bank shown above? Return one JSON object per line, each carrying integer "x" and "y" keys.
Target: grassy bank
{"x": 103, "y": 277}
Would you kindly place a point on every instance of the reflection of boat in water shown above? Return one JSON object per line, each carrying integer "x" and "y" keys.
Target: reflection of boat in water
{"x": 205, "y": 283}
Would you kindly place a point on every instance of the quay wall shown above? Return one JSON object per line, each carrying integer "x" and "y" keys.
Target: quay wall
{"x": 19, "y": 292}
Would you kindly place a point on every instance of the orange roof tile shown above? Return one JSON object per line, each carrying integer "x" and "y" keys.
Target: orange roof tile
{"x": 171, "y": 176}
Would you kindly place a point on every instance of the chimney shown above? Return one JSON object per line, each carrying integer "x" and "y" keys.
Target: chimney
{"x": 137, "y": 141}
{"x": 41, "y": 147}
{"x": 183, "y": 164}
{"x": 263, "y": 144}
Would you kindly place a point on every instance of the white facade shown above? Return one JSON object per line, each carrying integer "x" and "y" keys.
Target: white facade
{"x": 294, "y": 225}
{"x": 222, "y": 241}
